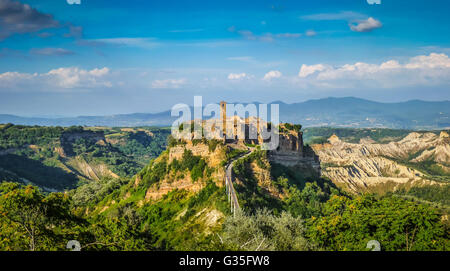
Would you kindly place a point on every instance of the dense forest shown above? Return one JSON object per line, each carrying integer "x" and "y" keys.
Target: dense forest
{"x": 310, "y": 220}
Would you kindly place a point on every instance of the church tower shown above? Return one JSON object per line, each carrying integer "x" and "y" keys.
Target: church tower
{"x": 223, "y": 116}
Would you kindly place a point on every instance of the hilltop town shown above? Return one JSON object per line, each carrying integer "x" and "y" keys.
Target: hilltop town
{"x": 283, "y": 142}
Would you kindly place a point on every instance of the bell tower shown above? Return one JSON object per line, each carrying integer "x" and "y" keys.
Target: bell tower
{"x": 223, "y": 116}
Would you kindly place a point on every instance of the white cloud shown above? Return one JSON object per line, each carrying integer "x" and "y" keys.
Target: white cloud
{"x": 272, "y": 74}
{"x": 65, "y": 78}
{"x": 311, "y": 33}
{"x": 365, "y": 25}
{"x": 357, "y": 22}
{"x": 168, "y": 83}
{"x": 431, "y": 61}
{"x": 237, "y": 76}
{"x": 74, "y": 77}
{"x": 391, "y": 64}
{"x": 306, "y": 70}
{"x": 99, "y": 72}
{"x": 13, "y": 76}
{"x": 433, "y": 69}
{"x": 11, "y": 80}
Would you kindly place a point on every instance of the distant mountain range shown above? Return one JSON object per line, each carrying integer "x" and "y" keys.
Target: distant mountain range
{"x": 335, "y": 112}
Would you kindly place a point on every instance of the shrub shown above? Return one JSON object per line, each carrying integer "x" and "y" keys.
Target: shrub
{"x": 265, "y": 231}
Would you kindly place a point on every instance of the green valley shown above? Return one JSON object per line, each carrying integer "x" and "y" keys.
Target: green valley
{"x": 57, "y": 158}
{"x": 141, "y": 189}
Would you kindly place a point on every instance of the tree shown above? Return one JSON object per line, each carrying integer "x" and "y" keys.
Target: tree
{"x": 33, "y": 221}
{"x": 398, "y": 224}
{"x": 264, "y": 231}
{"x": 117, "y": 234}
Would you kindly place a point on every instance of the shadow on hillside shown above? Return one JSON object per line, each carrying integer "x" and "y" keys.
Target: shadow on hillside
{"x": 38, "y": 173}
{"x": 300, "y": 175}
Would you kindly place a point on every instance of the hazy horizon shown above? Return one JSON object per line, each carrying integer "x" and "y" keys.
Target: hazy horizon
{"x": 216, "y": 102}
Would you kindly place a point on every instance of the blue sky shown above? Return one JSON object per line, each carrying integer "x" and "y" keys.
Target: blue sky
{"x": 109, "y": 57}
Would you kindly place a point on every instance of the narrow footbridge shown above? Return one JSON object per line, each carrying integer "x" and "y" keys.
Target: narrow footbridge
{"x": 231, "y": 193}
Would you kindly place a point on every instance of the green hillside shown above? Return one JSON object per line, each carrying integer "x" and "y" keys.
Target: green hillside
{"x": 177, "y": 201}
{"x": 57, "y": 158}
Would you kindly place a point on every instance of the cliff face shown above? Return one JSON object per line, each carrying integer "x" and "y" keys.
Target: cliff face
{"x": 91, "y": 171}
{"x": 291, "y": 151}
{"x": 182, "y": 179}
{"x": 165, "y": 186}
{"x": 213, "y": 157}
{"x": 359, "y": 167}
{"x": 438, "y": 149}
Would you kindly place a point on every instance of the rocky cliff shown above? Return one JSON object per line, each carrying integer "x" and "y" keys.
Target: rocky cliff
{"x": 291, "y": 151}
{"x": 182, "y": 179}
{"x": 366, "y": 165}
